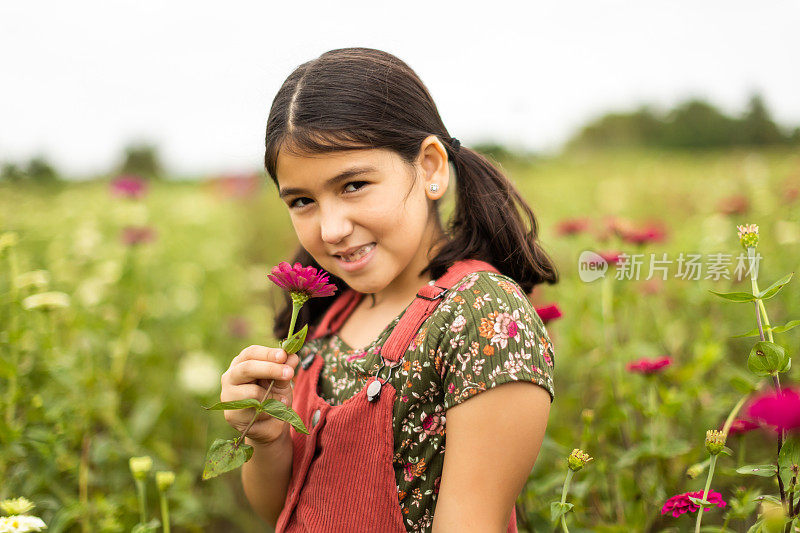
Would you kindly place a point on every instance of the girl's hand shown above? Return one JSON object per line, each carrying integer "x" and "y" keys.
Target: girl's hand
{"x": 248, "y": 377}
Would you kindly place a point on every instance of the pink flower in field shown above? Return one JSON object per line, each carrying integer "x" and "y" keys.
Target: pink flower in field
{"x": 780, "y": 410}
{"x": 734, "y": 205}
{"x": 649, "y": 366}
{"x": 741, "y": 425}
{"x": 651, "y": 233}
{"x": 302, "y": 280}
{"x": 610, "y": 257}
{"x": 572, "y": 226}
{"x": 128, "y": 186}
{"x": 548, "y": 313}
{"x": 135, "y": 235}
{"x": 238, "y": 327}
{"x": 680, "y": 503}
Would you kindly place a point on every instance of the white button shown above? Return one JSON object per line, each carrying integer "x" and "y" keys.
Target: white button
{"x": 315, "y": 418}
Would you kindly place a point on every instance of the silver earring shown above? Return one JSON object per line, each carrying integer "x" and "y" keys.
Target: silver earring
{"x": 434, "y": 187}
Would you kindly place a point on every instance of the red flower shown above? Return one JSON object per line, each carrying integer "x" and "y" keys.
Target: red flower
{"x": 133, "y": 235}
{"x": 610, "y": 257}
{"x": 548, "y": 313}
{"x": 650, "y": 233}
{"x": 649, "y": 366}
{"x": 305, "y": 280}
{"x": 572, "y": 226}
{"x": 734, "y": 205}
{"x": 741, "y": 425}
{"x": 791, "y": 193}
{"x": 777, "y": 409}
{"x": 128, "y": 186}
{"x": 680, "y": 503}
{"x": 236, "y": 185}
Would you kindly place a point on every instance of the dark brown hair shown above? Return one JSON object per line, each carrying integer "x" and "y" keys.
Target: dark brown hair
{"x": 362, "y": 98}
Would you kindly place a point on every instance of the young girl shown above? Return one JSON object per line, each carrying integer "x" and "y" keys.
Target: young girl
{"x": 398, "y": 382}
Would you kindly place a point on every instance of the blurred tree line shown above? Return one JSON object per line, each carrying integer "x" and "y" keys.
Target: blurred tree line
{"x": 691, "y": 124}
{"x": 141, "y": 159}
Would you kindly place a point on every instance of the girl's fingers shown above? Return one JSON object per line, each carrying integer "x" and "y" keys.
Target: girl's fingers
{"x": 251, "y": 370}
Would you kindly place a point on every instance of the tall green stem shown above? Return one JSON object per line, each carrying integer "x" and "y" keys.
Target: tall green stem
{"x": 141, "y": 490}
{"x": 295, "y": 310}
{"x": 570, "y": 472}
{"x": 705, "y": 493}
{"x": 164, "y": 511}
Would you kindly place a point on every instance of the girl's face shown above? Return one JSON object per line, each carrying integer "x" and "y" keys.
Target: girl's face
{"x": 344, "y": 200}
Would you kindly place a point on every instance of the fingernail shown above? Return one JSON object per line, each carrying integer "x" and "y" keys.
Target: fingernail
{"x": 286, "y": 372}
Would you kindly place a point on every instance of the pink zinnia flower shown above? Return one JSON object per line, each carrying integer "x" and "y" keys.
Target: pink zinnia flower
{"x": 650, "y": 233}
{"x": 680, "y": 503}
{"x": 128, "y": 186}
{"x": 649, "y": 366}
{"x": 134, "y": 235}
{"x": 548, "y": 313}
{"x": 741, "y": 425}
{"x": 572, "y": 226}
{"x": 304, "y": 280}
{"x": 610, "y": 257}
{"x": 779, "y": 410}
{"x": 734, "y": 205}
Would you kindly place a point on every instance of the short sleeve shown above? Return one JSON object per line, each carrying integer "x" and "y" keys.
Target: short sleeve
{"x": 490, "y": 334}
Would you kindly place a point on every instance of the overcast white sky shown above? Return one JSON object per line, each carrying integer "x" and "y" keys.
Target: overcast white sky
{"x": 82, "y": 78}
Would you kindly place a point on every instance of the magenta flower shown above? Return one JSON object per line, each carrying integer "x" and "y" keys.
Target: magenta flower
{"x": 128, "y": 186}
{"x": 780, "y": 410}
{"x": 548, "y": 313}
{"x": 134, "y": 235}
{"x": 680, "y": 503}
{"x": 741, "y": 425}
{"x": 649, "y": 366}
{"x": 645, "y": 235}
{"x": 302, "y": 280}
{"x": 572, "y": 226}
{"x": 610, "y": 257}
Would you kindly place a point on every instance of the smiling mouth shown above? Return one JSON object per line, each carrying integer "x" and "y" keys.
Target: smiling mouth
{"x": 358, "y": 254}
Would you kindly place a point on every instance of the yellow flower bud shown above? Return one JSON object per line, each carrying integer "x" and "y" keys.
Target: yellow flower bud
{"x": 748, "y": 235}
{"x": 164, "y": 479}
{"x": 577, "y": 459}
{"x": 140, "y": 466}
{"x": 715, "y": 441}
{"x": 14, "y": 506}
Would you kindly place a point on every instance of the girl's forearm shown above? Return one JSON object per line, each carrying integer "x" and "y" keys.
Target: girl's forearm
{"x": 265, "y": 477}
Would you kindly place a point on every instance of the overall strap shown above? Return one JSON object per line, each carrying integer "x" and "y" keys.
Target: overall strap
{"x": 426, "y": 301}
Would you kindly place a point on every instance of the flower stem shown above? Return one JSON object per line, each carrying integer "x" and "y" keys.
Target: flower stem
{"x": 295, "y": 310}
{"x": 164, "y": 511}
{"x": 140, "y": 488}
{"x": 705, "y": 493}
{"x": 570, "y": 472}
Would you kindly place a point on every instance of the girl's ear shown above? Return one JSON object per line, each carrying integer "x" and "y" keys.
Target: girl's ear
{"x": 433, "y": 161}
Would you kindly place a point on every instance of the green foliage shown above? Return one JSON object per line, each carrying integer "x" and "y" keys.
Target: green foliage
{"x": 691, "y": 124}
{"x": 142, "y": 160}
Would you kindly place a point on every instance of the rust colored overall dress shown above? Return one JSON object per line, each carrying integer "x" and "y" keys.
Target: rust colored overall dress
{"x": 343, "y": 480}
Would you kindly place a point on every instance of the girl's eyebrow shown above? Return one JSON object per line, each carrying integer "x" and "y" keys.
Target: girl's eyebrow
{"x": 349, "y": 173}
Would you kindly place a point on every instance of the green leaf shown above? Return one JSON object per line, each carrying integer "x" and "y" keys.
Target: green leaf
{"x": 236, "y": 404}
{"x": 700, "y": 502}
{"x": 295, "y": 342}
{"x": 224, "y": 456}
{"x": 557, "y": 509}
{"x": 789, "y": 455}
{"x": 773, "y": 289}
{"x": 742, "y": 384}
{"x": 758, "y": 470}
{"x": 755, "y": 528}
{"x": 786, "y": 327}
{"x": 735, "y": 296}
{"x": 766, "y": 359}
{"x": 152, "y": 525}
{"x": 727, "y": 451}
{"x": 278, "y": 410}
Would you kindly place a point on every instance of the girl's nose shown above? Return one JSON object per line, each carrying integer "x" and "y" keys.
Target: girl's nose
{"x": 334, "y": 224}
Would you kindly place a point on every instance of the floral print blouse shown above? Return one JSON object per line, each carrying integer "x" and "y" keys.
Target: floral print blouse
{"x": 485, "y": 332}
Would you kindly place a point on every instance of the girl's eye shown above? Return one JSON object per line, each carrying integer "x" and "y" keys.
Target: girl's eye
{"x": 293, "y": 204}
{"x": 362, "y": 183}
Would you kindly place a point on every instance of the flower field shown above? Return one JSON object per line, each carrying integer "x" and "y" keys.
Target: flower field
{"x": 122, "y": 303}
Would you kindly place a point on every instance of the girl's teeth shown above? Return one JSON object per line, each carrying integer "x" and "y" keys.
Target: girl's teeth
{"x": 361, "y": 252}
